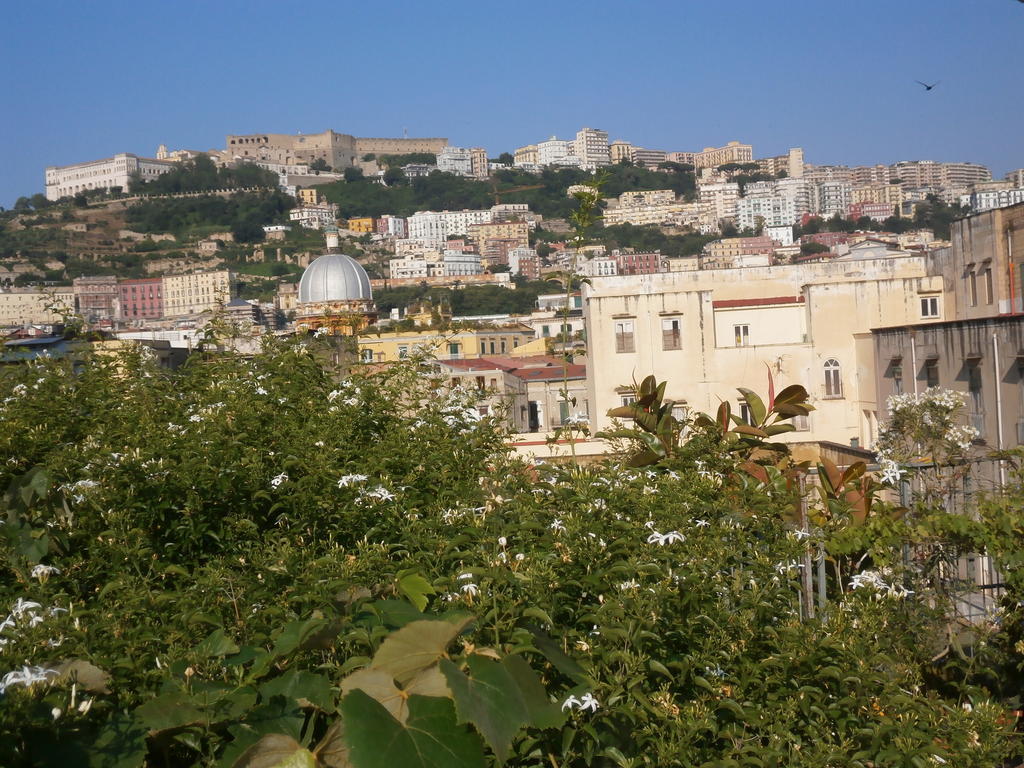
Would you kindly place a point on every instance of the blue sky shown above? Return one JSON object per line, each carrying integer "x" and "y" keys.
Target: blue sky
{"x": 85, "y": 80}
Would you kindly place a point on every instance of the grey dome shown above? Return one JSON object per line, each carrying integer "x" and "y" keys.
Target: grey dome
{"x": 334, "y": 277}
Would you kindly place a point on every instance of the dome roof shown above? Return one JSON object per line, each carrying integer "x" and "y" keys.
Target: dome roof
{"x": 334, "y": 277}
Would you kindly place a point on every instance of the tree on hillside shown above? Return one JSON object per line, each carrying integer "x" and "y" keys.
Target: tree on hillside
{"x": 320, "y": 165}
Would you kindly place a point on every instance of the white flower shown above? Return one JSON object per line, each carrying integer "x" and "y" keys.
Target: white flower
{"x": 467, "y": 576}
{"x": 43, "y": 572}
{"x": 502, "y": 541}
{"x": 276, "y": 481}
{"x": 891, "y": 472}
{"x": 702, "y": 523}
{"x": 260, "y": 391}
{"x": 557, "y": 526}
{"x": 586, "y": 701}
{"x": 195, "y": 417}
{"x": 26, "y": 676}
{"x": 347, "y": 480}
{"x": 380, "y": 492}
{"x": 661, "y": 539}
{"x": 801, "y": 534}
{"x": 22, "y": 606}
{"x": 631, "y": 584}
{"x": 470, "y": 589}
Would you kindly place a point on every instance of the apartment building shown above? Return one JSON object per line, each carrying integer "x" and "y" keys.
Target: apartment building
{"x": 875, "y": 211}
{"x": 767, "y": 211}
{"x": 709, "y": 331}
{"x": 929, "y": 173}
{"x": 969, "y": 337}
{"x": 527, "y": 155}
{"x": 392, "y": 226}
{"x": 733, "y": 152}
{"x": 314, "y": 216}
{"x": 525, "y": 262}
{"x": 890, "y": 194}
{"x": 96, "y": 298}
{"x": 389, "y": 346}
{"x": 592, "y": 148}
{"x": 721, "y": 199}
{"x": 197, "y": 292}
{"x": 661, "y": 214}
{"x": 629, "y": 262}
{"x": 831, "y": 198}
{"x": 558, "y": 152}
{"x": 117, "y": 171}
{"x": 456, "y": 160}
{"x": 440, "y": 225}
{"x": 141, "y": 298}
{"x": 484, "y": 233}
{"x": 25, "y": 306}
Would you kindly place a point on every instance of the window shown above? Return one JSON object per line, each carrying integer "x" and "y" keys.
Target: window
{"x": 563, "y": 411}
{"x": 802, "y": 423}
{"x": 453, "y": 350}
{"x": 671, "y": 333}
{"x": 972, "y": 287}
{"x": 742, "y": 335}
{"x": 403, "y": 352}
{"x": 976, "y": 400}
{"x": 483, "y": 410}
{"x": 988, "y": 285}
{"x": 930, "y": 306}
{"x": 833, "y": 379}
{"x": 367, "y": 355}
{"x": 897, "y": 379}
{"x": 545, "y": 330}
{"x": 624, "y": 336}
{"x": 931, "y": 373}
{"x": 627, "y": 399}
{"x": 480, "y": 384}
{"x": 746, "y": 415}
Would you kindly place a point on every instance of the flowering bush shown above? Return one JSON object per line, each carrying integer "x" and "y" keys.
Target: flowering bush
{"x": 250, "y": 561}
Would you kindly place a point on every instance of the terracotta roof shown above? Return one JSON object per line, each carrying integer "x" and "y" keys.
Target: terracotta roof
{"x": 767, "y": 301}
{"x": 553, "y": 373}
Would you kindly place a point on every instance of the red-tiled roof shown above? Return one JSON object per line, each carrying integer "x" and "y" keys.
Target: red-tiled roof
{"x": 724, "y": 303}
{"x": 553, "y": 373}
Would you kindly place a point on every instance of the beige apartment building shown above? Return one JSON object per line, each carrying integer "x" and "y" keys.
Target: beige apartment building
{"x": 888, "y": 194}
{"x": 733, "y": 152}
{"x": 197, "y": 292}
{"x": 515, "y": 231}
{"x": 709, "y": 331}
{"x": 24, "y": 306}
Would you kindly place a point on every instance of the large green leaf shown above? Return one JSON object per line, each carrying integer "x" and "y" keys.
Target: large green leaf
{"x": 430, "y": 738}
{"x": 416, "y": 646}
{"x": 756, "y": 404}
{"x": 416, "y": 588}
{"x": 216, "y": 644}
{"x": 276, "y": 751}
{"x": 88, "y": 676}
{"x": 169, "y": 711}
{"x": 305, "y": 688}
{"x": 499, "y": 698}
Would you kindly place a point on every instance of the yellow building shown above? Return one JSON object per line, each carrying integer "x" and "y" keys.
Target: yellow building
{"x": 309, "y": 196}
{"x": 389, "y": 346}
{"x": 518, "y": 231}
{"x": 196, "y": 292}
{"x": 362, "y": 224}
{"x": 26, "y": 306}
{"x": 709, "y": 331}
{"x": 890, "y": 194}
{"x": 526, "y": 155}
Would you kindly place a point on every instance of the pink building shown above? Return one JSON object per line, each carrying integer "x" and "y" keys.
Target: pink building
{"x": 638, "y": 263}
{"x": 141, "y": 299}
{"x": 393, "y": 226}
{"x": 876, "y": 211}
{"x": 828, "y": 239}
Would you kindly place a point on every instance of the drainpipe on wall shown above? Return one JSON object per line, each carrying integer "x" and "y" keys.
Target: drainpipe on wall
{"x": 999, "y": 407}
{"x": 913, "y": 360}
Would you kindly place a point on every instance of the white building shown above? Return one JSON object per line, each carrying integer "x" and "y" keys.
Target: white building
{"x": 599, "y": 266}
{"x": 796, "y": 190}
{"x": 458, "y": 263}
{"x": 116, "y": 171}
{"x": 592, "y": 148}
{"x": 315, "y": 216}
{"x": 782, "y": 235}
{"x": 196, "y": 292}
{"x": 721, "y": 198}
{"x": 773, "y": 211}
{"x": 392, "y": 226}
{"x": 988, "y": 199}
{"x": 830, "y": 198}
{"x": 557, "y": 152}
{"x": 457, "y": 160}
{"x": 438, "y": 226}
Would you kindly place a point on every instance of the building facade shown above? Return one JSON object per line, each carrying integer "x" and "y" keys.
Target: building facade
{"x": 112, "y": 172}
{"x": 197, "y": 292}
{"x": 141, "y": 299}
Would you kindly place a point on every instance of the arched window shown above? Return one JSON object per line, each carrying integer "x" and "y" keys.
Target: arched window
{"x": 833, "y": 379}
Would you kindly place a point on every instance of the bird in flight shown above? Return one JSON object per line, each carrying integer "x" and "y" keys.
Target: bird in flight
{"x": 929, "y": 87}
